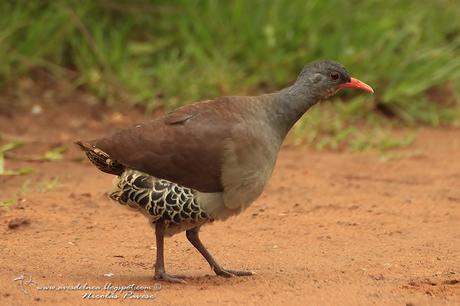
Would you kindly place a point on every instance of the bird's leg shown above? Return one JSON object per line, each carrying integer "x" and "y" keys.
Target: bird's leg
{"x": 160, "y": 273}
{"x": 193, "y": 237}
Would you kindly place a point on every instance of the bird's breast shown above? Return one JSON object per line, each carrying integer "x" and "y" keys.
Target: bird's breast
{"x": 247, "y": 167}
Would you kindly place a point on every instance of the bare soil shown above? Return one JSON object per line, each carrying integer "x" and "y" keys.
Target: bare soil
{"x": 332, "y": 228}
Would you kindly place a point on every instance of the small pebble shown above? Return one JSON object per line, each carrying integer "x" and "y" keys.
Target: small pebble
{"x": 36, "y": 109}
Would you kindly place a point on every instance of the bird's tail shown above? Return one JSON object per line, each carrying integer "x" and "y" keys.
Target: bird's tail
{"x": 101, "y": 159}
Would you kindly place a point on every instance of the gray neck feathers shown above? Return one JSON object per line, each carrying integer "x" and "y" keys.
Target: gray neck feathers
{"x": 288, "y": 106}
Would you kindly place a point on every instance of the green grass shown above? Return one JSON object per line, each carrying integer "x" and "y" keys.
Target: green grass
{"x": 40, "y": 186}
{"x": 6, "y": 204}
{"x": 5, "y": 149}
{"x": 49, "y": 185}
{"x": 168, "y": 53}
{"x": 349, "y": 126}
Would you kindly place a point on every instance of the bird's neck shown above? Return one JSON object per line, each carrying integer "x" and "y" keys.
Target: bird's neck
{"x": 289, "y": 105}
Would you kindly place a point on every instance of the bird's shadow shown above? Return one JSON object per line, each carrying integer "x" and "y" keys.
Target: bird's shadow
{"x": 190, "y": 279}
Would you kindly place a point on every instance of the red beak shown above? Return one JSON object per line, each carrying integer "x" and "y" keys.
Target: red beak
{"x": 355, "y": 83}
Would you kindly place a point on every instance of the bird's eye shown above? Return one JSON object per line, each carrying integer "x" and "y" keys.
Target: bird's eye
{"x": 334, "y": 75}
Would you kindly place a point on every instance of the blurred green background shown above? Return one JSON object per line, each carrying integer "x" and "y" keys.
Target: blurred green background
{"x": 167, "y": 53}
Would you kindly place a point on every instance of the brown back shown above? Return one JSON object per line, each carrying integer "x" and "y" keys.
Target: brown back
{"x": 184, "y": 146}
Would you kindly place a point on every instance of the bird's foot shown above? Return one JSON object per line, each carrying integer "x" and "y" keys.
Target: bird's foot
{"x": 229, "y": 273}
{"x": 170, "y": 278}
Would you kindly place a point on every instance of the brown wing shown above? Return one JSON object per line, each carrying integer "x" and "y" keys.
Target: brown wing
{"x": 184, "y": 146}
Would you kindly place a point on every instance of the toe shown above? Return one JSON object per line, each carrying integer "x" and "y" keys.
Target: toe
{"x": 170, "y": 278}
{"x": 181, "y": 276}
{"x": 230, "y": 273}
{"x": 223, "y": 273}
{"x": 241, "y": 273}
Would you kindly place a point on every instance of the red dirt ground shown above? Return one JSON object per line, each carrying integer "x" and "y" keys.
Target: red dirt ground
{"x": 330, "y": 228}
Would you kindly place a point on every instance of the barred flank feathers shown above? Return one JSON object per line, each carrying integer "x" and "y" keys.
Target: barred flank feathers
{"x": 101, "y": 159}
{"x": 158, "y": 198}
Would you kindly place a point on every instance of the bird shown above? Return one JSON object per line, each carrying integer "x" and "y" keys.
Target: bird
{"x": 208, "y": 160}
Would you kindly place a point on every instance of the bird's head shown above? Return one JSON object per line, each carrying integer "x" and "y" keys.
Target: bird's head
{"x": 325, "y": 78}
